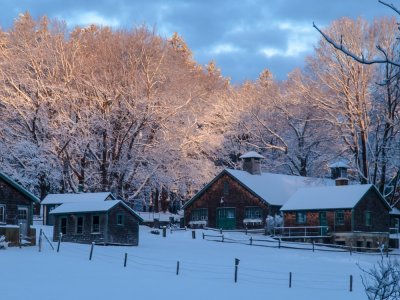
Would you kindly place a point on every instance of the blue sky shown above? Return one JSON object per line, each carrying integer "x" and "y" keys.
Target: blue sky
{"x": 244, "y": 37}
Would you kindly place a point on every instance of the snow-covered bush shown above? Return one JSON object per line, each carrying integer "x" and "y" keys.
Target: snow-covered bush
{"x": 3, "y": 242}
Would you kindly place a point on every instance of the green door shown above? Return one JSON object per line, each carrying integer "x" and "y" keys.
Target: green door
{"x": 226, "y": 218}
{"x": 323, "y": 222}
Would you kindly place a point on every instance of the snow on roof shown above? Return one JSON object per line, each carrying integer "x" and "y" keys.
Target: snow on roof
{"x": 276, "y": 189}
{"x": 328, "y": 197}
{"x": 339, "y": 164}
{"x": 395, "y": 211}
{"x": 251, "y": 154}
{"x": 88, "y": 206}
{"x": 72, "y": 198}
{"x": 19, "y": 187}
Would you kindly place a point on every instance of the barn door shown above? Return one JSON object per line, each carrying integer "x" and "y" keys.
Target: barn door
{"x": 226, "y": 218}
{"x": 323, "y": 222}
{"x": 23, "y": 219}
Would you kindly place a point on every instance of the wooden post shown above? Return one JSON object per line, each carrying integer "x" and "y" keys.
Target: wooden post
{"x": 164, "y": 231}
{"x": 125, "y": 259}
{"x": 177, "y": 267}
{"x": 20, "y": 235}
{"x": 351, "y": 249}
{"x": 222, "y": 238}
{"x": 203, "y": 235}
{"x": 59, "y": 242}
{"x": 251, "y": 240}
{"x": 40, "y": 240}
{"x": 246, "y": 230}
{"x": 313, "y": 246}
{"x": 220, "y": 231}
{"x": 279, "y": 243}
{"x": 351, "y": 283}
{"x": 236, "y": 268}
{"x": 387, "y": 251}
{"x": 290, "y": 279}
{"x": 91, "y": 251}
{"x": 193, "y": 234}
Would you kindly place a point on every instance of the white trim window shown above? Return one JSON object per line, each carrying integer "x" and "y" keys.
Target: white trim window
{"x": 2, "y": 213}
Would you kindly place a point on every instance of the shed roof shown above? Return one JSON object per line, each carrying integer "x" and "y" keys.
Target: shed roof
{"x": 339, "y": 164}
{"x": 274, "y": 189}
{"x": 251, "y": 154}
{"x": 395, "y": 211}
{"x": 19, "y": 187}
{"x": 72, "y": 198}
{"x": 329, "y": 197}
{"x": 90, "y": 206}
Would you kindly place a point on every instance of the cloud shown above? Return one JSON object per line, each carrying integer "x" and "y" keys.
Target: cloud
{"x": 91, "y": 17}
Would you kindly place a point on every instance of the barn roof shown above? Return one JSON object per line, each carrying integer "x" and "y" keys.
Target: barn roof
{"x": 274, "y": 189}
{"x": 90, "y": 207}
{"x": 329, "y": 197}
{"x": 19, "y": 187}
{"x": 72, "y": 198}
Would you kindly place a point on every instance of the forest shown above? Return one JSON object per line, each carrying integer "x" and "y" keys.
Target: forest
{"x": 128, "y": 111}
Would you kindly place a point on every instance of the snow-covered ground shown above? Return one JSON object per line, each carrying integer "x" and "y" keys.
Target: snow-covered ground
{"x": 206, "y": 271}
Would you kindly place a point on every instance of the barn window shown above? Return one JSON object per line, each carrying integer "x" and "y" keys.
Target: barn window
{"x": 339, "y": 217}
{"x": 2, "y": 213}
{"x": 252, "y": 212}
{"x": 63, "y": 225}
{"x": 95, "y": 224}
{"x": 301, "y": 217}
{"x": 368, "y": 218}
{"x": 200, "y": 214}
{"x": 120, "y": 219}
{"x": 79, "y": 225}
{"x": 226, "y": 188}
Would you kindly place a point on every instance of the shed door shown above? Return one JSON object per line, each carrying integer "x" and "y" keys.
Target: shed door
{"x": 226, "y": 218}
{"x": 323, "y": 222}
{"x": 23, "y": 219}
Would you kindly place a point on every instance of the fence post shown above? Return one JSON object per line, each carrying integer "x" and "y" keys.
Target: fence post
{"x": 313, "y": 246}
{"x": 40, "y": 240}
{"x": 351, "y": 283}
{"x": 279, "y": 243}
{"x": 351, "y": 248}
{"x": 222, "y": 238}
{"x": 125, "y": 259}
{"x": 177, "y": 267}
{"x": 236, "y": 268}
{"x": 164, "y": 231}
{"x": 203, "y": 235}
{"x": 193, "y": 234}
{"x": 59, "y": 242}
{"x": 91, "y": 251}
{"x": 290, "y": 279}
{"x": 387, "y": 251}
{"x": 251, "y": 240}
{"x": 220, "y": 231}
{"x": 20, "y": 235}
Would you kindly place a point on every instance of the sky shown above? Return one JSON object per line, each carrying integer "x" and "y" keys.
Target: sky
{"x": 243, "y": 37}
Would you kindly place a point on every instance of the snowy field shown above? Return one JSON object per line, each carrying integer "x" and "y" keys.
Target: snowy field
{"x": 206, "y": 271}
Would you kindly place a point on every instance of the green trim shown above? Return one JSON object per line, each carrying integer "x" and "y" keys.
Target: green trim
{"x": 18, "y": 187}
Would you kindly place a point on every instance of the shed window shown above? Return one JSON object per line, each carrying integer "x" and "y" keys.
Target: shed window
{"x": 226, "y": 188}
{"x": 120, "y": 219}
{"x": 79, "y": 225}
{"x": 252, "y": 212}
{"x": 95, "y": 224}
{"x": 368, "y": 218}
{"x": 339, "y": 217}
{"x": 63, "y": 225}
{"x": 200, "y": 214}
{"x": 2, "y": 213}
{"x": 301, "y": 217}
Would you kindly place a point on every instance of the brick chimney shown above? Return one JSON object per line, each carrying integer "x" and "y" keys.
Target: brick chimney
{"x": 251, "y": 162}
{"x": 339, "y": 173}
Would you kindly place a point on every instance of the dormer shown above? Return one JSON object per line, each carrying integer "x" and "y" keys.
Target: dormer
{"x": 252, "y": 162}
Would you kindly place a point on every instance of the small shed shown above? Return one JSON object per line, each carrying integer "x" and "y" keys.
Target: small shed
{"x": 103, "y": 222}
{"x": 52, "y": 201}
{"x": 16, "y": 211}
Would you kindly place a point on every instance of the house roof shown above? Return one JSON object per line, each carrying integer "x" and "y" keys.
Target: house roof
{"x": 90, "y": 206}
{"x": 251, "y": 154}
{"x": 274, "y": 189}
{"x": 20, "y": 188}
{"x": 72, "y": 198}
{"x": 329, "y": 197}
